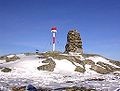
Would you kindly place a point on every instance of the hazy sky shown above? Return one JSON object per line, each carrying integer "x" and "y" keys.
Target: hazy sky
{"x": 25, "y": 25}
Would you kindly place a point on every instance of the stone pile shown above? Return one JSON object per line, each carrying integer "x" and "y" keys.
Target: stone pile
{"x": 74, "y": 42}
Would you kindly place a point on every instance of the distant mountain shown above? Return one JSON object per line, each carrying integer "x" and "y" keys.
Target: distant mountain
{"x": 57, "y": 70}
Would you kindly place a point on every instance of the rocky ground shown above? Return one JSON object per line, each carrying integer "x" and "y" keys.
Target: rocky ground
{"x": 58, "y": 71}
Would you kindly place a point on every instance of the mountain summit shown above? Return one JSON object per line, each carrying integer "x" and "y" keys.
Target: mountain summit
{"x": 56, "y": 71}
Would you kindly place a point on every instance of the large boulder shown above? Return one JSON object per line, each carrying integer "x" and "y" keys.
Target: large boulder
{"x": 74, "y": 42}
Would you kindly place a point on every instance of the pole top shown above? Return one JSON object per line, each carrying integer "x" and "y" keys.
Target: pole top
{"x": 53, "y": 29}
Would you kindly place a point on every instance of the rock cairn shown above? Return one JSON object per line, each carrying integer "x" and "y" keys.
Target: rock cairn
{"x": 74, "y": 42}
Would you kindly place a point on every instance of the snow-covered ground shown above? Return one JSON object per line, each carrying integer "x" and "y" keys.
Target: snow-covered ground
{"x": 24, "y": 72}
{"x": 100, "y": 59}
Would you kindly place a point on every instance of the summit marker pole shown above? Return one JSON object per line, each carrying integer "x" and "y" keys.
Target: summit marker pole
{"x": 54, "y": 30}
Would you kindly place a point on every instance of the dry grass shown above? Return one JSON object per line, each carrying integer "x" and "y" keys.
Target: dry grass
{"x": 18, "y": 88}
{"x": 90, "y": 62}
{"x": 79, "y": 69}
{"x": 74, "y": 88}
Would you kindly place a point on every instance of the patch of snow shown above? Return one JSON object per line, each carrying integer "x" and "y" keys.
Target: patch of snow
{"x": 64, "y": 54}
{"x": 20, "y": 55}
{"x": 74, "y": 54}
{"x": 64, "y": 65}
{"x": 116, "y": 72}
{"x": 25, "y": 63}
{"x": 100, "y": 66}
{"x": 10, "y": 56}
{"x": 2, "y": 61}
{"x": 101, "y": 59}
{"x": 82, "y": 58}
{"x": 25, "y": 72}
{"x": 89, "y": 71}
{"x": 77, "y": 64}
{"x": 87, "y": 67}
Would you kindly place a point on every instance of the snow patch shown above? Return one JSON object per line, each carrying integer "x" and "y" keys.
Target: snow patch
{"x": 77, "y": 64}
{"x": 2, "y": 61}
{"x": 100, "y": 59}
{"x": 64, "y": 65}
{"x": 74, "y": 54}
{"x": 10, "y": 56}
{"x": 89, "y": 71}
{"x": 20, "y": 55}
{"x": 24, "y": 72}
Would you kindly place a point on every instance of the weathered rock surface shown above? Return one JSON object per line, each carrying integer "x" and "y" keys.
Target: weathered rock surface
{"x": 99, "y": 67}
{"x": 74, "y": 42}
{"x": 9, "y": 59}
{"x": 49, "y": 66}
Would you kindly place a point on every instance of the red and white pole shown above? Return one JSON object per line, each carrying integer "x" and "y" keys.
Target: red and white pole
{"x": 54, "y": 30}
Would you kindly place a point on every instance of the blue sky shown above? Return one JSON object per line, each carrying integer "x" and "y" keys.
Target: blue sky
{"x": 25, "y": 25}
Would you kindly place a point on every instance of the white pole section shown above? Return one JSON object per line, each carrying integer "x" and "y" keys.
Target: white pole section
{"x": 53, "y": 41}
